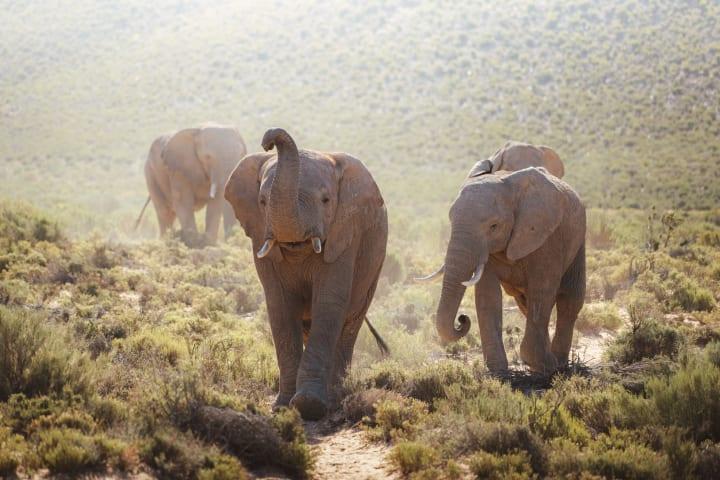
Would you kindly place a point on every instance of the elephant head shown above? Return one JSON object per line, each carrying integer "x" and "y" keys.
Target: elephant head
{"x": 510, "y": 214}
{"x": 514, "y": 156}
{"x": 301, "y": 200}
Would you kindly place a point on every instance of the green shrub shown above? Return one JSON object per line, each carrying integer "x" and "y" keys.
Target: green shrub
{"x": 12, "y": 451}
{"x": 689, "y": 296}
{"x": 174, "y": 454}
{"x": 645, "y": 339}
{"x": 515, "y": 466}
{"x": 397, "y": 418}
{"x": 222, "y": 467}
{"x": 430, "y": 382}
{"x": 695, "y": 387}
{"x": 412, "y": 457}
{"x": 499, "y": 438}
{"x": 599, "y": 316}
{"x": 708, "y": 460}
{"x": 69, "y": 451}
{"x": 34, "y": 360}
{"x": 296, "y": 455}
{"x": 21, "y": 222}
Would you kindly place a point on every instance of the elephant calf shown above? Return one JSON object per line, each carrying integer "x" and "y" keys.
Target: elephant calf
{"x": 319, "y": 226}
{"x": 523, "y": 230}
{"x": 514, "y": 156}
{"x": 185, "y": 171}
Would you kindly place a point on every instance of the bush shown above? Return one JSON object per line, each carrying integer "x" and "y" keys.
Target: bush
{"x": 690, "y": 399}
{"x": 12, "y": 450}
{"x": 65, "y": 450}
{"x": 412, "y": 457}
{"x": 689, "y": 296}
{"x": 499, "y": 438}
{"x": 514, "y": 466}
{"x": 598, "y": 316}
{"x": 398, "y": 418}
{"x": 645, "y": 339}
{"x": 20, "y": 222}
{"x": 34, "y": 360}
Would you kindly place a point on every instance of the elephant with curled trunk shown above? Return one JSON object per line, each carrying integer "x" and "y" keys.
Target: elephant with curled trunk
{"x": 514, "y": 156}
{"x": 185, "y": 171}
{"x": 318, "y": 224}
{"x": 523, "y": 230}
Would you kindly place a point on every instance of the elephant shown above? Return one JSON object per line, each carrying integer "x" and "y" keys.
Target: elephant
{"x": 524, "y": 230}
{"x": 184, "y": 172}
{"x": 318, "y": 225}
{"x": 514, "y": 156}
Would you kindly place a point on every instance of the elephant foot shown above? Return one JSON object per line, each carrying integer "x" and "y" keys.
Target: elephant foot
{"x": 540, "y": 360}
{"x": 311, "y": 406}
{"x": 282, "y": 400}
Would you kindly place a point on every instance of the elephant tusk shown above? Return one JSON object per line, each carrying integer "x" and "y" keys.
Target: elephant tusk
{"x": 213, "y": 190}
{"x": 267, "y": 246}
{"x": 476, "y": 276}
{"x": 432, "y": 276}
{"x": 317, "y": 244}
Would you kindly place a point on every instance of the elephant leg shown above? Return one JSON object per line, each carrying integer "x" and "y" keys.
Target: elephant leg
{"x": 285, "y": 314}
{"x": 163, "y": 209}
{"x": 184, "y": 206}
{"x": 568, "y": 308}
{"x": 213, "y": 214}
{"x": 535, "y": 346}
{"x": 488, "y": 306}
{"x": 229, "y": 219}
{"x": 569, "y": 303}
{"x": 330, "y": 298}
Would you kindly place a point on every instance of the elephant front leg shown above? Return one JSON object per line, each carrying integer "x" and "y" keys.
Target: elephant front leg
{"x": 285, "y": 313}
{"x": 213, "y": 214}
{"x": 535, "y": 347}
{"x": 184, "y": 206}
{"x": 229, "y": 220}
{"x": 488, "y": 306}
{"x": 329, "y": 309}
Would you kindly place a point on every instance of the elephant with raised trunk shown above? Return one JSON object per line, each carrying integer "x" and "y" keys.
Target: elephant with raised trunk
{"x": 523, "y": 230}
{"x": 318, "y": 225}
{"x": 514, "y": 156}
{"x": 185, "y": 172}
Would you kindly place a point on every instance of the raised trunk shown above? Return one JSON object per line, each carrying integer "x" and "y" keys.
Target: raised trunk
{"x": 284, "y": 192}
{"x": 460, "y": 262}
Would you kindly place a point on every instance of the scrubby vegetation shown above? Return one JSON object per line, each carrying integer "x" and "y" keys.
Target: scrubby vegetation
{"x": 120, "y": 353}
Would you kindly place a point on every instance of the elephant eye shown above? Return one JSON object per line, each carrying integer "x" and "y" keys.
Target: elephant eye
{"x": 326, "y": 199}
{"x": 493, "y": 227}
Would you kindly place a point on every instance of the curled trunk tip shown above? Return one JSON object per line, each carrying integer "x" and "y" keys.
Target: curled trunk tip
{"x": 453, "y": 333}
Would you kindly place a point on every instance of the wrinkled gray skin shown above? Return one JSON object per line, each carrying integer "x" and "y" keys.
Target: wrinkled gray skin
{"x": 186, "y": 171}
{"x": 527, "y": 229}
{"x": 319, "y": 229}
{"x": 514, "y": 156}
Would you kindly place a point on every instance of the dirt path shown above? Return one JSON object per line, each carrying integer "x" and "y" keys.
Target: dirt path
{"x": 346, "y": 454}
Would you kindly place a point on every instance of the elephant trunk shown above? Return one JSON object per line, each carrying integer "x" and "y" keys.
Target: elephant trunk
{"x": 284, "y": 192}
{"x": 461, "y": 260}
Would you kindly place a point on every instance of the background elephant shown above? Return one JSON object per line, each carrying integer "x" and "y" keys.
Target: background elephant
{"x": 319, "y": 226}
{"x": 514, "y": 156}
{"x": 525, "y": 231}
{"x": 186, "y": 171}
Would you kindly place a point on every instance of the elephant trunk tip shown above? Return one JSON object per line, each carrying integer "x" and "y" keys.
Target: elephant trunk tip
{"x": 274, "y": 136}
{"x": 455, "y": 333}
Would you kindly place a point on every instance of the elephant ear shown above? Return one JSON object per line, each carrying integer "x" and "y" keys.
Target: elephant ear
{"x": 481, "y": 168}
{"x": 358, "y": 206}
{"x": 179, "y": 155}
{"x": 242, "y": 190}
{"x": 539, "y": 209}
{"x": 552, "y": 161}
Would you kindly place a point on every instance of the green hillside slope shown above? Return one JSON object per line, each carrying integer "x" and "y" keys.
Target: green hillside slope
{"x": 627, "y": 91}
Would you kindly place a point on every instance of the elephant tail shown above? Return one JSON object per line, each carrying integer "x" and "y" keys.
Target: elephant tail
{"x": 142, "y": 212}
{"x": 384, "y": 349}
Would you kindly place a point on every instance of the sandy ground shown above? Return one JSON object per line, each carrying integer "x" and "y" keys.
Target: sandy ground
{"x": 345, "y": 453}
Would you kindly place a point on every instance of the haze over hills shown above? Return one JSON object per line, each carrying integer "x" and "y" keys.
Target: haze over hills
{"x": 626, "y": 91}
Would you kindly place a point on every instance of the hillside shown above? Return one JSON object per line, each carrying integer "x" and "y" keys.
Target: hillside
{"x": 627, "y": 92}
